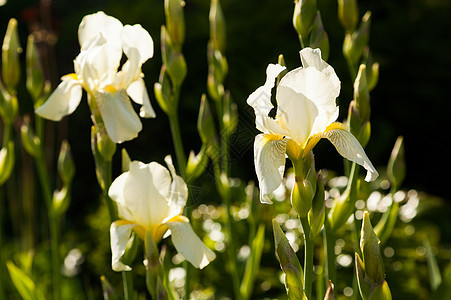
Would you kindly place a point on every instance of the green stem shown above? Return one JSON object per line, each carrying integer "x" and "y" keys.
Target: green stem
{"x": 309, "y": 245}
{"x": 178, "y": 143}
{"x": 53, "y": 223}
{"x": 329, "y": 241}
{"x": 107, "y": 179}
{"x": 127, "y": 281}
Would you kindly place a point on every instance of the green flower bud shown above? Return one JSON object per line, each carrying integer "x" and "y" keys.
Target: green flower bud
{"x": 9, "y": 106}
{"x": 105, "y": 147}
{"x": 205, "y": 122}
{"x": 125, "y": 160}
{"x": 364, "y": 285}
{"x": 230, "y": 114}
{"x": 61, "y": 201}
{"x": 217, "y": 26}
{"x": 302, "y": 197}
{"x": 172, "y": 58}
{"x": 108, "y": 290}
{"x": 162, "y": 90}
{"x": 35, "y": 76}
{"x": 372, "y": 69}
{"x": 281, "y": 61}
{"x": 196, "y": 164}
{"x": 355, "y": 42}
{"x": 348, "y": 14}
{"x": 7, "y": 158}
{"x": 361, "y": 94}
{"x": 396, "y": 169}
{"x": 369, "y": 245}
{"x": 303, "y": 17}
{"x": 175, "y": 21}
{"x": 66, "y": 166}
{"x": 319, "y": 38}
{"x": 317, "y": 213}
{"x": 217, "y": 71}
{"x": 30, "y": 141}
{"x": 10, "y": 57}
{"x": 380, "y": 292}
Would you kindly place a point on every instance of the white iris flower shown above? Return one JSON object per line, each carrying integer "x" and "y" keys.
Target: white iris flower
{"x": 306, "y": 112}
{"x": 149, "y": 200}
{"x": 103, "y": 39}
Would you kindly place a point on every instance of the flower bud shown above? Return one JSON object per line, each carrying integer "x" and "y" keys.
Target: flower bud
{"x": 172, "y": 58}
{"x": 380, "y": 292}
{"x": 396, "y": 169}
{"x": 302, "y": 197}
{"x": 205, "y": 122}
{"x": 281, "y": 61}
{"x": 319, "y": 38}
{"x": 162, "y": 90}
{"x": 355, "y": 42}
{"x": 175, "y": 21}
{"x": 217, "y": 26}
{"x": 103, "y": 145}
{"x": 107, "y": 288}
{"x": 30, "y": 141}
{"x": 217, "y": 71}
{"x": 330, "y": 292}
{"x": 369, "y": 245}
{"x": 364, "y": 286}
{"x": 303, "y": 17}
{"x": 372, "y": 69}
{"x": 230, "y": 114}
{"x": 61, "y": 201}
{"x": 348, "y": 14}
{"x": 9, "y": 106}
{"x": 7, "y": 158}
{"x": 361, "y": 94}
{"x": 66, "y": 166}
{"x": 10, "y": 56}
{"x": 35, "y": 76}
{"x": 196, "y": 164}
{"x": 125, "y": 160}
{"x": 317, "y": 213}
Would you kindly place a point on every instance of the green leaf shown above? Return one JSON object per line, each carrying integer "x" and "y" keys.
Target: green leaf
{"x": 435, "y": 278}
{"x": 253, "y": 263}
{"x": 444, "y": 289}
{"x": 24, "y": 285}
{"x": 289, "y": 263}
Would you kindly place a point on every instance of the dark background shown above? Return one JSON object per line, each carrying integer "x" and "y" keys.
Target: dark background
{"x": 410, "y": 40}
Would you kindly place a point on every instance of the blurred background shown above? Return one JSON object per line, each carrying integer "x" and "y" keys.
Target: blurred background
{"x": 409, "y": 38}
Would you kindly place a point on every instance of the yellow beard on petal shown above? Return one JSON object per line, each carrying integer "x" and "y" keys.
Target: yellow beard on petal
{"x": 314, "y": 139}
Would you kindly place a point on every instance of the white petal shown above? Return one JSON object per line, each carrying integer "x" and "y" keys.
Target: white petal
{"x": 316, "y": 87}
{"x": 269, "y": 157}
{"x": 179, "y": 191}
{"x": 116, "y": 192}
{"x": 137, "y": 37}
{"x": 312, "y": 58}
{"x": 63, "y": 101}
{"x": 189, "y": 245}
{"x": 138, "y": 92}
{"x": 121, "y": 121}
{"x": 145, "y": 193}
{"x": 94, "y": 24}
{"x": 119, "y": 235}
{"x": 260, "y": 100}
{"x": 349, "y": 147}
{"x": 297, "y": 113}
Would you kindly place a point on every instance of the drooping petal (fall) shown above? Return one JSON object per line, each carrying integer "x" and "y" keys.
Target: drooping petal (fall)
{"x": 63, "y": 101}
{"x": 188, "y": 244}
{"x": 349, "y": 147}
{"x": 269, "y": 159}
{"x": 121, "y": 121}
{"x": 119, "y": 235}
{"x": 138, "y": 92}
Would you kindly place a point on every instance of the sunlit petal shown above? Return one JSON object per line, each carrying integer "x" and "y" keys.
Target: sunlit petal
{"x": 138, "y": 38}
{"x": 189, "y": 245}
{"x": 63, "y": 101}
{"x": 121, "y": 121}
{"x": 138, "y": 92}
{"x": 119, "y": 234}
{"x": 349, "y": 147}
{"x": 269, "y": 157}
{"x": 94, "y": 24}
{"x": 179, "y": 190}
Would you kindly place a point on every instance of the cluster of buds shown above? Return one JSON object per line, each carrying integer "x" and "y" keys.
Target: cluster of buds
{"x": 309, "y": 26}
